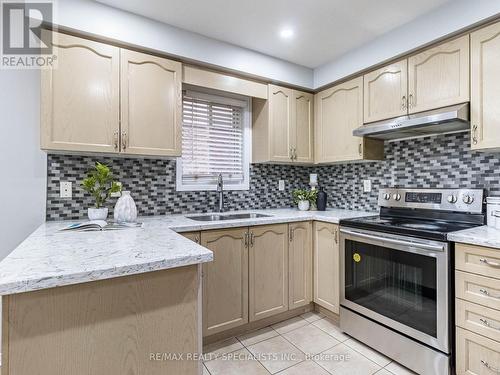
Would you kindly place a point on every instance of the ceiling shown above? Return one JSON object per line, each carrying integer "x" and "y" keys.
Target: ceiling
{"x": 323, "y": 29}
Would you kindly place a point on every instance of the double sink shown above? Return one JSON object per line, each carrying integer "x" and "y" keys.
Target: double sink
{"x": 220, "y": 217}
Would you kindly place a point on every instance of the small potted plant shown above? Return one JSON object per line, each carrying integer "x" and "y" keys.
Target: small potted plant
{"x": 303, "y": 198}
{"x": 100, "y": 184}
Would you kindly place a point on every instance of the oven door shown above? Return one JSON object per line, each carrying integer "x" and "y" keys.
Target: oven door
{"x": 398, "y": 281}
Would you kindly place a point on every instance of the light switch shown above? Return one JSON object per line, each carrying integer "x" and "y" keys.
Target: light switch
{"x": 281, "y": 185}
{"x": 66, "y": 189}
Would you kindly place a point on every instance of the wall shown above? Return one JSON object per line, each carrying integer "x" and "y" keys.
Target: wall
{"x": 93, "y": 18}
{"x": 443, "y": 161}
{"x": 22, "y": 164}
{"x": 449, "y": 18}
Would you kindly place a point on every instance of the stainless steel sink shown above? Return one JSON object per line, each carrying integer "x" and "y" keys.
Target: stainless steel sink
{"x": 219, "y": 217}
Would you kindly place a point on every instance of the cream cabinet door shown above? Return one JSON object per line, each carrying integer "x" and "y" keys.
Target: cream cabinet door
{"x": 485, "y": 88}
{"x": 326, "y": 266}
{"x": 302, "y": 130}
{"x": 225, "y": 280}
{"x": 385, "y": 92}
{"x": 439, "y": 77}
{"x": 300, "y": 264}
{"x": 80, "y": 96}
{"x": 339, "y": 110}
{"x": 280, "y": 123}
{"x": 268, "y": 271}
{"x": 151, "y": 104}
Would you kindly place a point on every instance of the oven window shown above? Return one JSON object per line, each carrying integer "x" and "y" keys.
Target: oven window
{"x": 393, "y": 283}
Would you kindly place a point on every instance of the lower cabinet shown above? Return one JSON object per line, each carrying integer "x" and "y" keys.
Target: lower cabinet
{"x": 300, "y": 264}
{"x": 225, "y": 280}
{"x": 326, "y": 266}
{"x": 268, "y": 271}
{"x": 193, "y": 236}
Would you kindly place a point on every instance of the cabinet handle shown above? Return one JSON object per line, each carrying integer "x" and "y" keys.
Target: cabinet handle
{"x": 489, "y": 367}
{"x": 115, "y": 140}
{"x": 486, "y": 293}
{"x": 410, "y": 101}
{"x": 403, "y": 102}
{"x": 474, "y": 134}
{"x": 488, "y": 324}
{"x": 491, "y": 264}
{"x": 294, "y": 153}
{"x": 360, "y": 149}
{"x": 252, "y": 238}
{"x": 336, "y": 236}
{"x": 290, "y": 234}
{"x": 197, "y": 239}
{"x": 124, "y": 141}
{"x": 246, "y": 239}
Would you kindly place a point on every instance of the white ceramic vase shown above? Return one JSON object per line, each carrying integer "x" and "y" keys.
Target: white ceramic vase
{"x": 97, "y": 213}
{"x": 125, "y": 209}
{"x": 304, "y": 205}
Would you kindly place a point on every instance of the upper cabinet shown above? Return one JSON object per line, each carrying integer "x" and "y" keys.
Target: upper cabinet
{"x": 338, "y": 111}
{"x": 439, "y": 77}
{"x": 151, "y": 89}
{"x": 485, "y": 88}
{"x": 100, "y": 98}
{"x": 385, "y": 92}
{"x": 283, "y": 127}
{"x": 80, "y": 97}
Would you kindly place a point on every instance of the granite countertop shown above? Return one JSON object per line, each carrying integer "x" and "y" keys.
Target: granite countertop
{"x": 50, "y": 258}
{"x": 481, "y": 236}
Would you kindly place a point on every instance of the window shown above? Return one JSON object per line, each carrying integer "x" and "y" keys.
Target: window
{"x": 215, "y": 139}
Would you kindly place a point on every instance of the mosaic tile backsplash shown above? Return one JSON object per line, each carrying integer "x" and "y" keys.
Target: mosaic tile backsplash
{"x": 443, "y": 161}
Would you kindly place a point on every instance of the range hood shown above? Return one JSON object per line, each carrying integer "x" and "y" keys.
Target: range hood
{"x": 438, "y": 121}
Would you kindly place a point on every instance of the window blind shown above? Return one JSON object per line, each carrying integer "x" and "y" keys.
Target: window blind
{"x": 212, "y": 142}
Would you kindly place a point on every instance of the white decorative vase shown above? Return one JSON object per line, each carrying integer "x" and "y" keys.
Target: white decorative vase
{"x": 303, "y": 205}
{"x": 125, "y": 209}
{"x": 97, "y": 213}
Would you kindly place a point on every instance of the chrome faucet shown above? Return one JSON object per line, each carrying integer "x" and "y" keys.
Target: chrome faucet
{"x": 220, "y": 192}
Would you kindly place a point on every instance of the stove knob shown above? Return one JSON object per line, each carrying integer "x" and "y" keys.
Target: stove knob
{"x": 468, "y": 199}
{"x": 452, "y": 198}
{"x": 397, "y": 196}
{"x": 387, "y": 196}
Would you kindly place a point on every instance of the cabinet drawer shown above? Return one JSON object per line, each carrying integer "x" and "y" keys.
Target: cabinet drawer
{"x": 476, "y": 355}
{"x": 478, "y": 289}
{"x": 478, "y": 319}
{"x": 476, "y": 259}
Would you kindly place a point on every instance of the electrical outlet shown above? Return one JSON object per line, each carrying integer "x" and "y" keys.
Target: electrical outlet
{"x": 119, "y": 194}
{"x": 66, "y": 189}
{"x": 367, "y": 186}
{"x": 281, "y": 185}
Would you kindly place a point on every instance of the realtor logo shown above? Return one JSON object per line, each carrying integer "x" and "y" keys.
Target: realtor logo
{"x": 24, "y": 46}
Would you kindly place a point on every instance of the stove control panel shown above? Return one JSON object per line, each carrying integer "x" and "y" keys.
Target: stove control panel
{"x": 458, "y": 200}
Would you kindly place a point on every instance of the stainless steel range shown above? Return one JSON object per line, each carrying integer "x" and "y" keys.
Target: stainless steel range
{"x": 396, "y": 286}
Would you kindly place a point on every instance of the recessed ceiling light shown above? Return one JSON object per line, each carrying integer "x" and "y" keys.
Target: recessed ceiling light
{"x": 286, "y": 33}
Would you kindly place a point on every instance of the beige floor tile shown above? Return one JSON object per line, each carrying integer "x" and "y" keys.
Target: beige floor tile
{"x": 343, "y": 360}
{"x": 330, "y": 327}
{"x": 216, "y": 349}
{"x": 276, "y": 354}
{"x": 254, "y": 337}
{"x": 205, "y": 371}
{"x": 310, "y": 339}
{"x": 383, "y": 372}
{"x": 239, "y": 362}
{"x": 312, "y": 316}
{"x": 306, "y": 367}
{"x": 398, "y": 369}
{"x": 289, "y": 325}
{"x": 368, "y": 352}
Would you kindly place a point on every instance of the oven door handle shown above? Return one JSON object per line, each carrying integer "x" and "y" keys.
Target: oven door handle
{"x": 394, "y": 241}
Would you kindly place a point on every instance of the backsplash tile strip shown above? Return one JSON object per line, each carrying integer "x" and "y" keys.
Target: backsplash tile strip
{"x": 443, "y": 161}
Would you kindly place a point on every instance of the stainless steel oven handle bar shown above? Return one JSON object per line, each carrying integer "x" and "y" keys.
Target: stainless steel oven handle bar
{"x": 394, "y": 241}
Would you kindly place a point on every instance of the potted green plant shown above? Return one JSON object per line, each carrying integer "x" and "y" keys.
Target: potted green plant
{"x": 100, "y": 184}
{"x": 303, "y": 198}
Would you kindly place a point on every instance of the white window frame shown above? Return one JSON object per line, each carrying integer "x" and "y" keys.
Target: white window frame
{"x": 234, "y": 100}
